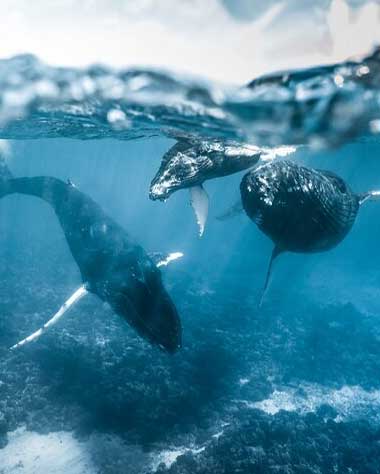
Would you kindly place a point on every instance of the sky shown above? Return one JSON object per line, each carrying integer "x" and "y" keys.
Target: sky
{"x": 230, "y": 41}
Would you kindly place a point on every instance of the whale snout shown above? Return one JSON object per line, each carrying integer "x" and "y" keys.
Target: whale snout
{"x": 160, "y": 190}
{"x": 162, "y": 324}
{"x": 152, "y": 314}
{"x": 165, "y": 183}
{"x": 158, "y": 193}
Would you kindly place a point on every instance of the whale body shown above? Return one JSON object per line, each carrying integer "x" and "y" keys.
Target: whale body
{"x": 112, "y": 265}
{"x": 300, "y": 209}
{"x": 191, "y": 162}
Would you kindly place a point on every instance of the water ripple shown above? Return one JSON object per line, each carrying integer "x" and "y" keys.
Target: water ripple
{"x": 322, "y": 106}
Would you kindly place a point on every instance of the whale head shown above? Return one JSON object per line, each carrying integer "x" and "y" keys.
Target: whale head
{"x": 135, "y": 291}
{"x": 153, "y": 315}
{"x": 189, "y": 163}
{"x": 180, "y": 168}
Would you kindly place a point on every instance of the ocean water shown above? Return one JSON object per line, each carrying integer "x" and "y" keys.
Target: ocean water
{"x": 291, "y": 386}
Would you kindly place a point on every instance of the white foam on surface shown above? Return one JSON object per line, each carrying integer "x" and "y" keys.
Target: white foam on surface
{"x": 269, "y": 154}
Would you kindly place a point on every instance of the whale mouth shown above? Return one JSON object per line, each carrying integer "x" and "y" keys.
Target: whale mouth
{"x": 170, "y": 348}
{"x": 159, "y": 192}
{"x": 166, "y": 183}
{"x": 167, "y": 332}
{"x": 169, "y": 343}
{"x": 164, "y": 331}
{"x": 155, "y": 196}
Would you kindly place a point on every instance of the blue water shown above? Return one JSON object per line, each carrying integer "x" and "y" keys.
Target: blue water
{"x": 291, "y": 387}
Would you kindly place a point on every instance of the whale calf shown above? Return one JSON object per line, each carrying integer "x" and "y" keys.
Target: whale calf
{"x": 112, "y": 265}
{"x": 300, "y": 209}
{"x": 191, "y": 162}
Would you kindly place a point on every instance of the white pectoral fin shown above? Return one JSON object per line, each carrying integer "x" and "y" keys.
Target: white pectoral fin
{"x": 370, "y": 196}
{"x": 199, "y": 201}
{"x": 165, "y": 260}
{"x": 75, "y": 297}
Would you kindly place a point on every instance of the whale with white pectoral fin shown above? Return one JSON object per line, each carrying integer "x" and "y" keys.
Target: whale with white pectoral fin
{"x": 192, "y": 161}
{"x": 112, "y": 265}
{"x": 300, "y": 209}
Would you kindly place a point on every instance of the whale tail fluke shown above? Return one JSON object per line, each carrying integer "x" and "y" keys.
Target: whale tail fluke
{"x": 369, "y": 196}
{"x": 275, "y": 253}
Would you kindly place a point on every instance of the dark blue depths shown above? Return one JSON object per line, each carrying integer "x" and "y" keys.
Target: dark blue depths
{"x": 291, "y": 387}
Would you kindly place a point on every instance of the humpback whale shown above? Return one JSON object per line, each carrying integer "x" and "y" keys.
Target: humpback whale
{"x": 300, "y": 209}
{"x": 191, "y": 162}
{"x": 112, "y": 266}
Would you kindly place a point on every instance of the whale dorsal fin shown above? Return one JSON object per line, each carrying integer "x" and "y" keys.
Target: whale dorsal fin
{"x": 75, "y": 297}
{"x": 275, "y": 253}
{"x": 199, "y": 201}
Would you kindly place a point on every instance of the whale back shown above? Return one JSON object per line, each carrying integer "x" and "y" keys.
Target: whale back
{"x": 112, "y": 265}
{"x": 300, "y": 209}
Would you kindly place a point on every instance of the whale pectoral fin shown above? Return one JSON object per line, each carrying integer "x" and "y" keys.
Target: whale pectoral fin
{"x": 75, "y": 297}
{"x": 275, "y": 253}
{"x": 369, "y": 196}
{"x": 235, "y": 210}
{"x": 162, "y": 260}
{"x": 199, "y": 201}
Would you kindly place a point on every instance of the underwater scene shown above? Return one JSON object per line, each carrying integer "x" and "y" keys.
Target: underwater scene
{"x": 189, "y": 264}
